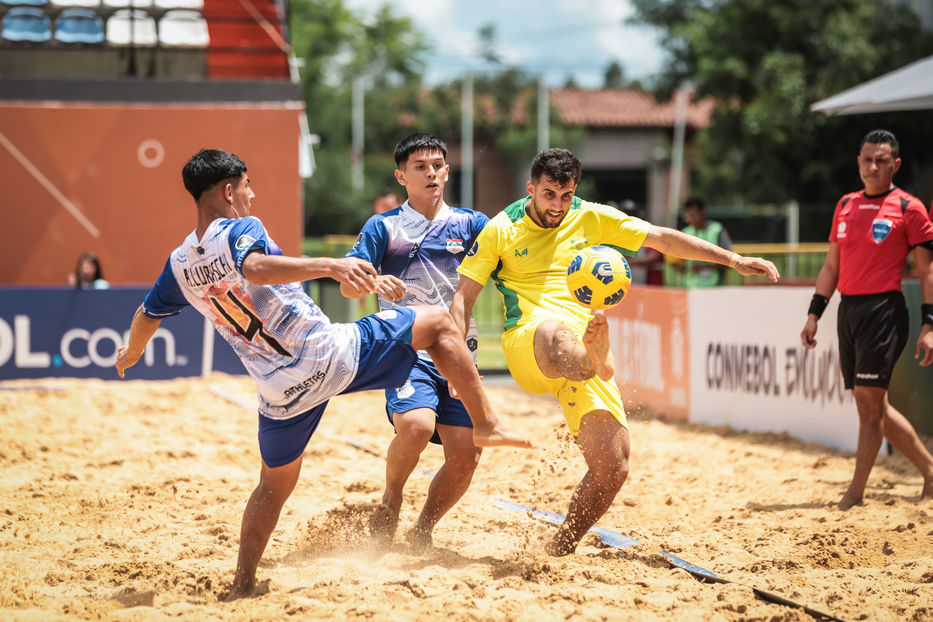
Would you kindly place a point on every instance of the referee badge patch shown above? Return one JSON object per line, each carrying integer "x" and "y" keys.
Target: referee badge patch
{"x": 880, "y": 229}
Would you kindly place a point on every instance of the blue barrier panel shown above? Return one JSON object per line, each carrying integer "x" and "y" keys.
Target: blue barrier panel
{"x": 75, "y": 333}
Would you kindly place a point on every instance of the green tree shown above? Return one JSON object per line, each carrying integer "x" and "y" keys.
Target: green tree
{"x": 765, "y": 63}
{"x": 336, "y": 47}
{"x": 614, "y": 76}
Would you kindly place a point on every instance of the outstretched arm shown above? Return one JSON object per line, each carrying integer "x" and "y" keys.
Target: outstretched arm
{"x": 673, "y": 242}
{"x": 263, "y": 269}
{"x": 923, "y": 257}
{"x": 462, "y": 304}
{"x": 825, "y": 286}
{"x": 141, "y": 332}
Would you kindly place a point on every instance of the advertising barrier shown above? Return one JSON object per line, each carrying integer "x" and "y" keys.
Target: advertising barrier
{"x": 748, "y": 369}
{"x": 650, "y": 338}
{"x": 76, "y": 333}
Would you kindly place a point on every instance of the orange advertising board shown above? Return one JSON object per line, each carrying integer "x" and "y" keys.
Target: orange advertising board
{"x": 649, "y": 335}
{"x": 106, "y": 178}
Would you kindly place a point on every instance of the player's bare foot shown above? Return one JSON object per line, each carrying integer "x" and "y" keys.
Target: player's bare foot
{"x": 382, "y": 524}
{"x": 926, "y": 495}
{"x": 247, "y": 590}
{"x": 561, "y": 544}
{"x": 596, "y": 342}
{"x": 420, "y": 540}
{"x": 497, "y": 433}
{"x": 847, "y": 502}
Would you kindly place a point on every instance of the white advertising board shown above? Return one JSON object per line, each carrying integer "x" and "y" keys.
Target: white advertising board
{"x": 749, "y": 371}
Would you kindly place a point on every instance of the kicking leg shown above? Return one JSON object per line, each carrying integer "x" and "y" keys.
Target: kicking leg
{"x": 259, "y": 519}
{"x": 452, "y": 480}
{"x": 413, "y": 430}
{"x": 605, "y": 445}
{"x": 434, "y": 330}
{"x": 561, "y": 354}
{"x": 596, "y": 342}
{"x": 903, "y": 437}
{"x": 870, "y": 402}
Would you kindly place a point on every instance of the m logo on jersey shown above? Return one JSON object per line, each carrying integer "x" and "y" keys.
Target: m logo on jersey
{"x": 521, "y": 253}
{"x": 880, "y": 229}
{"x": 243, "y": 242}
{"x": 454, "y": 245}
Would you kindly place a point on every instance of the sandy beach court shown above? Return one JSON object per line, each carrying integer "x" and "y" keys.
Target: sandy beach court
{"x": 122, "y": 501}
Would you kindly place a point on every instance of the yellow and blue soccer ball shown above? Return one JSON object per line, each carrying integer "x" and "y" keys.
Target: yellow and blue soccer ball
{"x": 598, "y": 277}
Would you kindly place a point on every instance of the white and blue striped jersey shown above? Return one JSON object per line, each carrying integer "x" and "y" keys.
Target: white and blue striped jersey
{"x": 423, "y": 253}
{"x": 296, "y": 356}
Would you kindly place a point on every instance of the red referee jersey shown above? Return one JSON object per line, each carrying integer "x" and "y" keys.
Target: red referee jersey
{"x": 875, "y": 234}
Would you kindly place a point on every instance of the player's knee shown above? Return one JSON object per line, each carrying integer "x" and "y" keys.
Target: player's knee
{"x": 275, "y": 485}
{"x": 437, "y": 324}
{"x": 870, "y": 404}
{"x": 415, "y": 434}
{"x": 464, "y": 461}
{"x": 611, "y": 475}
{"x": 570, "y": 357}
{"x": 434, "y": 315}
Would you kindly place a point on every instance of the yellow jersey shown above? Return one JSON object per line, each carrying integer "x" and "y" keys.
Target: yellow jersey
{"x": 529, "y": 263}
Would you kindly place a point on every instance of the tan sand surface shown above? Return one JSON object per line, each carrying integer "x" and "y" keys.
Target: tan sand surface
{"x": 122, "y": 501}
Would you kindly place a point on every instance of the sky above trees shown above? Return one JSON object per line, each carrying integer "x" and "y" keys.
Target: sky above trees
{"x": 562, "y": 39}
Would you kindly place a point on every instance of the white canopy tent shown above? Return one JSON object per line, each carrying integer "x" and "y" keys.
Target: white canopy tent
{"x": 907, "y": 88}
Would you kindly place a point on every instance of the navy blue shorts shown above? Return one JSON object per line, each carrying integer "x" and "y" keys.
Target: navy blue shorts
{"x": 386, "y": 359}
{"x": 427, "y": 388}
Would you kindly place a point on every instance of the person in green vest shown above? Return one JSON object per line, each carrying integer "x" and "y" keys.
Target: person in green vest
{"x": 702, "y": 273}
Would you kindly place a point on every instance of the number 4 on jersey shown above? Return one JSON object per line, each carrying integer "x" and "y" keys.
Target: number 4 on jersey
{"x": 254, "y": 326}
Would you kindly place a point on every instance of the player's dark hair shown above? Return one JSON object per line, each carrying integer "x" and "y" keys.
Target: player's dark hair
{"x": 209, "y": 166}
{"x": 880, "y": 137}
{"x": 694, "y": 202}
{"x": 558, "y": 164}
{"x": 419, "y": 141}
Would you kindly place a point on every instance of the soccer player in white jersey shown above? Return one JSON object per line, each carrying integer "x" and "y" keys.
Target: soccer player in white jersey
{"x": 417, "y": 247}
{"x": 233, "y": 273}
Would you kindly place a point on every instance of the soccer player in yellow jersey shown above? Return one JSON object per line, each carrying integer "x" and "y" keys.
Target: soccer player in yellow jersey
{"x": 552, "y": 344}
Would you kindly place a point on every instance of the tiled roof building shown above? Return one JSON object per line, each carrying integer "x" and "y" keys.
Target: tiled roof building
{"x": 624, "y": 108}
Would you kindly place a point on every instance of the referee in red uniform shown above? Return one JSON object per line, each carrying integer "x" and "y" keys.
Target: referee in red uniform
{"x": 873, "y": 231}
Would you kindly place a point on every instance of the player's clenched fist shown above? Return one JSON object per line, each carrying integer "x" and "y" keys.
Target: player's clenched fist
{"x": 356, "y": 273}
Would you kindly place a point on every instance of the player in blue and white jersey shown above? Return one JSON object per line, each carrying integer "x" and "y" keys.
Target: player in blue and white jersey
{"x": 417, "y": 248}
{"x": 234, "y": 274}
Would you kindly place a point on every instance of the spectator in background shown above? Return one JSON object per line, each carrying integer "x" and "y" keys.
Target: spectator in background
{"x": 647, "y": 264}
{"x": 701, "y": 273}
{"x": 385, "y": 202}
{"x": 88, "y": 274}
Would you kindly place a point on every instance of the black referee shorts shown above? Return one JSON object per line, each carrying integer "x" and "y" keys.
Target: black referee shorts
{"x": 872, "y": 331}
